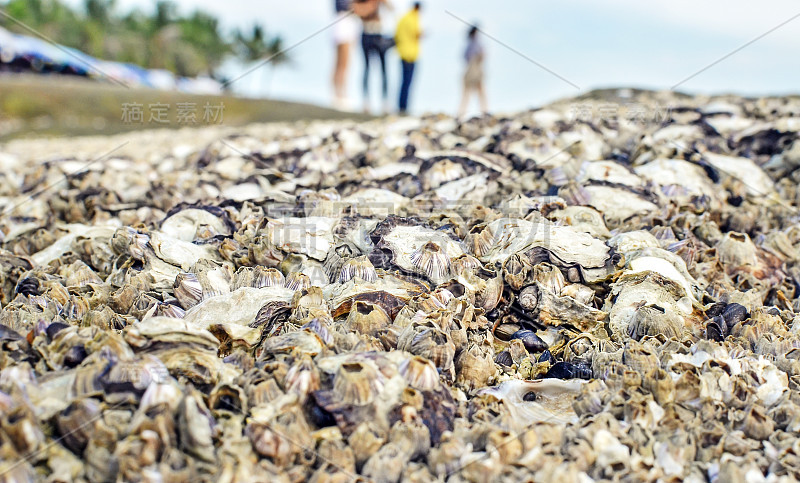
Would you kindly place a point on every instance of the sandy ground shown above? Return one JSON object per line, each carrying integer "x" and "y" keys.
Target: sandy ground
{"x": 37, "y": 106}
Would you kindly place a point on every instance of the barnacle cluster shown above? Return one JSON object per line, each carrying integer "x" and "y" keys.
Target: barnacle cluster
{"x": 535, "y": 296}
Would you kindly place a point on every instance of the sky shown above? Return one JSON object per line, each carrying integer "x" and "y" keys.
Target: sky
{"x": 588, "y": 44}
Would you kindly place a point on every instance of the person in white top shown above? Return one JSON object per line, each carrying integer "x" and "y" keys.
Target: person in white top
{"x": 345, "y": 33}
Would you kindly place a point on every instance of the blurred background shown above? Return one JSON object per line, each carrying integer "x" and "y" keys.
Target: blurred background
{"x": 535, "y": 52}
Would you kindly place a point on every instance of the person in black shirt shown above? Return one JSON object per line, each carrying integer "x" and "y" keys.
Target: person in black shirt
{"x": 373, "y": 43}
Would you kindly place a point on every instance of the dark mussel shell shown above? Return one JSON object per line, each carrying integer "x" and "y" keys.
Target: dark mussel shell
{"x": 532, "y": 341}
{"x": 568, "y": 370}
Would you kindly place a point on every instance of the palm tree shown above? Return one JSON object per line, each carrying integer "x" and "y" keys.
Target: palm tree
{"x": 94, "y": 28}
{"x": 258, "y": 48}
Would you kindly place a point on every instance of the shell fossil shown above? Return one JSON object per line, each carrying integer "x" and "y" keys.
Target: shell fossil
{"x": 527, "y": 297}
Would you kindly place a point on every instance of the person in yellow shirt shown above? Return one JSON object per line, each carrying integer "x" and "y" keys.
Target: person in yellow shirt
{"x": 407, "y": 41}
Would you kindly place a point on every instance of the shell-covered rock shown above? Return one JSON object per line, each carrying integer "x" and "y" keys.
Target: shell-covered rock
{"x": 528, "y": 297}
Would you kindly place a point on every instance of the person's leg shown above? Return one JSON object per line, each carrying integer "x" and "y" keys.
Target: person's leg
{"x": 365, "y": 85}
{"x": 340, "y": 72}
{"x": 462, "y": 108}
{"x": 482, "y": 97}
{"x": 401, "y": 104}
{"x": 408, "y": 73}
{"x": 411, "y": 67}
{"x": 384, "y": 80}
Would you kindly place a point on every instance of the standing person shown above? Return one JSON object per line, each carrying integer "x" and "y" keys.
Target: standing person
{"x": 407, "y": 39}
{"x": 473, "y": 76}
{"x": 345, "y": 31}
{"x": 373, "y": 43}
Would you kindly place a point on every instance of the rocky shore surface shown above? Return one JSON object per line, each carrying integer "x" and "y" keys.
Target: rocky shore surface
{"x": 604, "y": 288}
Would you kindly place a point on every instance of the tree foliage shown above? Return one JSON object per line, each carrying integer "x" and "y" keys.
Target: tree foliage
{"x": 164, "y": 38}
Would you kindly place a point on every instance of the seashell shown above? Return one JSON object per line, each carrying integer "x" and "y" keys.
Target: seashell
{"x": 392, "y": 293}
{"x": 320, "y": 327}
{"x": 441, "y": 172}
{"x": 518, "y": 351}
{"x": 530, "y": 340}
{"x": 479, "y": 241}
{"x": 465, "y": 264}
{"x": 420, "y": 373}
{"x": 431, "y": 260}
{"x": 169, "y": 310}
{"x": 122, "y": 300}
{"x": 243, "y": 277}
{"x": 592, "y": 398}
{"x": 432, "y": 250}
{"x": 716, "y": 329}
{"x": 185, "y": 224}
{"x": 517, "y": 270}
{"x": 546, "y": 356}
{"x": 549, "y": 277}
{"x": 475, "y": 367}
{"x": 734, "y": 314}
{"x": 556, "y": 311}
{"x": 446, "y": 458}
{"x": 359, "y": 267}
{"x": 263, "y": 392}
{"x": 316, "y": 240}
{"x": 506, "y": 331}
{"x": 268, "y": 277}
{"x": 365, "y": 442}
{"x": 23, "y": 430}
{"x": 298, "y": 281}
{"x": 357, "y": 383}
{"x": 507, "y": 445}
{"x": 541, "y": 400}
{"x": 239, "y": 307}
{"x": 736, "y": 250}
{"x": 214, "y": 278}
{"x": 660, "y": 384}
{"x": 486, "y": 285}
{"x": 387, "y": 464}
{"x": 271, "y": 316}
{"x": 645, "y": 288}
{"x": 429, "y": 341}
{"x": 639, "y": 357}
{"x": 569, "y": 370}
{"x": 529, "y": 297}
{"x": 582, "y": 218}
{"x": 302, "y": 378}
{"x": 188, "y": 290}
{"x": 756, "y": 424}
{"x": 302, "y": 341}
{"x": 367, "y": 318}
{"x": 79, "y": 275}
{"x": 582, "y": 349}
{"x": 504, "y": 359}
{"x": 516, "y": 236}
{"x": 411, "y": 437}
{"x": 268, "y": 432}
{"x": 652, "y": 320}
{"x": 229, "y": 398}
